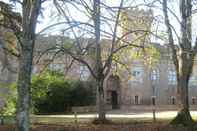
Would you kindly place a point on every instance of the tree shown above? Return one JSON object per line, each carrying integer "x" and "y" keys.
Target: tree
{"x": 26, "y": 37}
{"x": 30, "y": 12}
{"x": 90, "y": 54}
{"x": 10, "y": 24}
{"x": 99, "y": 66}
{"x": 183, "y": 55}
{"x": 9, "y": 107}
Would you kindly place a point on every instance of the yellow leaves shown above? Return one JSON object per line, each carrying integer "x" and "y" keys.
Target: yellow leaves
{"x": 9, "y": 40}
{"x": 151, "y": 56}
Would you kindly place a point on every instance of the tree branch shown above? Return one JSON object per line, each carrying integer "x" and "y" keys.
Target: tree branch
{"x": 170, "y": 36}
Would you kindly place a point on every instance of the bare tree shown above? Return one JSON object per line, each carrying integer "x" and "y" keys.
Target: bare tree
{"x": 183, "y": 55}
{"x": 98, "y": 65}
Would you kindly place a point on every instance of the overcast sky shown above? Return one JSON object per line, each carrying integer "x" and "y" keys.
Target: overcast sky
{"x": 49, "y": 18}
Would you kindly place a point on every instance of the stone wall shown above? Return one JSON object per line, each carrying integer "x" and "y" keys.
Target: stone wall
{"x": 84, "y": 109}
{"x": 157, "y": 107}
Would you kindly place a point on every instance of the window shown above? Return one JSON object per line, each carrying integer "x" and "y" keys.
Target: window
{"x": 137, "y": 73}
{"x": 153, "y": 100}
{"x": 193, "y": 100}
{"x": 57, "y": 67}
{"x": 136, "y": 100}
{"x": 84, "y": 72}
{"x": 193, "y": 80}
{"x": 51, "y": 66}
{"x": 155, "y": 75}
{"x": 173, "y": 100}
{"x": 171, "y": 77}
{"x": 58, "y": 41}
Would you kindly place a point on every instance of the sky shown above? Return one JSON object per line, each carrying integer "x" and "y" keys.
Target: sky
{"x": 49, "y": 18}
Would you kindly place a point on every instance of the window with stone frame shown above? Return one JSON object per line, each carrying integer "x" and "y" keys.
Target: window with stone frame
{"x": 172, "y": 77}
{"x": 137, "y": 74}
{"x": 51, "y": 66}
{"x": 193, "y": 79}
{"x": 173, "y": 100}
{"x": 56, "y": 67}
{"x": 136, "y": 100}
{"x": 193, "y": 100}
{"x": 155, "y": 75}
{"x": 84, "y": 72}
{"x": 153, "y": 100}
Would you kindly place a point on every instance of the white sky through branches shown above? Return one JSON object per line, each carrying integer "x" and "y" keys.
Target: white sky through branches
{"x": 49, "y": 15}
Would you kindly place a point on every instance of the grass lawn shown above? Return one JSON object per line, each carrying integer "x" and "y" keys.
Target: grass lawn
{"x": 60, "y": 119}
{"x": 62, "y": 123}
{"x": 117, "y": 124}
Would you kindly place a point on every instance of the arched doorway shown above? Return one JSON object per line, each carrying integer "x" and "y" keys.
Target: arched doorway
{"x": 113, "y": 91}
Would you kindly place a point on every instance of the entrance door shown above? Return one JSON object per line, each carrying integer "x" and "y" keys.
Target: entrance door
{"x": 114, "y": 97}
{"x": 136, "y": 100}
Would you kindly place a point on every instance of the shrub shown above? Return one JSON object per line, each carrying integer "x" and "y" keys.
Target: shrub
{"x": 56, "y": 98}
{"x": 51, "y": 93}
{"x": 82, "y": 93}
{"x": 9, "y": 101}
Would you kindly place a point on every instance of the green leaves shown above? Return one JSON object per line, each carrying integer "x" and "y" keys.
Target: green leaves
{"x": 68, "y": 44}
{"x": 41, "y": 83}
{"x": 10, "y": 100}
{"x": 52, "y": 93}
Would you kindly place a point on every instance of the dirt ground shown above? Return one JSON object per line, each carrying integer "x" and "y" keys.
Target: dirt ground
{"x": 108, "y": 127}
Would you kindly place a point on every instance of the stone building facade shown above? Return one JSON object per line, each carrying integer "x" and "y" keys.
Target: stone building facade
{"x": 145, "y": 85}
{"x": 138, "y": 84}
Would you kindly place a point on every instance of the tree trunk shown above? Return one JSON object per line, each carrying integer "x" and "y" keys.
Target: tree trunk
{"x": 99, "y": 66}
{"x": 30, "y": 11}
{"x": 183, "y": 116}
{"x": 185, "y": 64}
{"x": 100, "y": 101}
{"x": 23, "y": 87}
{"x": 184, "y": 72}
{"x": 183, "y": 57}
